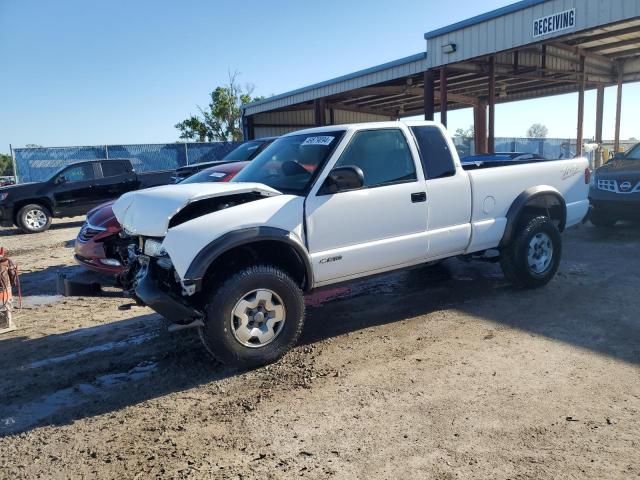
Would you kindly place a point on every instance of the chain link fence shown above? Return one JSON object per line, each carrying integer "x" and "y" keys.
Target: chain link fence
{"x": 40, "y": 163}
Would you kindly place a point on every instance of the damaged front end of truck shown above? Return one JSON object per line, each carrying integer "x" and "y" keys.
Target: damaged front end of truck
{"x": 168, "y": 227}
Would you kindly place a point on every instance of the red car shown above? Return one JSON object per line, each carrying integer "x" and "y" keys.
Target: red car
{"x": 99, "y": 245}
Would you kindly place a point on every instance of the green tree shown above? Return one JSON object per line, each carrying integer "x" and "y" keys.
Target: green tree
{"x": 461, "y": 132}
{"x": 537, "y": 130}
{"x": 220, "y": 121}
{"x": 6, "y": 164}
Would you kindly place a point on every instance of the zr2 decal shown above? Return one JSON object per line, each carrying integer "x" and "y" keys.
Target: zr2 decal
{"x": 330, "y": 259}
{"x": 569, "y": 172}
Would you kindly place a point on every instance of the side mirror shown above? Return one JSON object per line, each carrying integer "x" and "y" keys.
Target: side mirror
{"x": 341, "y": 179}
{"x": 618, "y": 156}
{"x": 61, "y": 179}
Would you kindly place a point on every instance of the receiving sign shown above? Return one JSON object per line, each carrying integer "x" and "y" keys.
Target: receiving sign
{"x": 554, "y": 23}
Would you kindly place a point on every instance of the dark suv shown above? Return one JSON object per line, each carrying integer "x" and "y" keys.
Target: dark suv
{"x": 615, "y": 189}
{"x": 71, "y": 191}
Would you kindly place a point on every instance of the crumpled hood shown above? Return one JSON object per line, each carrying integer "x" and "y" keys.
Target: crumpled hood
{"x": 148, "y": 212}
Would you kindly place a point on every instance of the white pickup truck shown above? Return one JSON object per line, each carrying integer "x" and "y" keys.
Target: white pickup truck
{"x": 333, "y": 204}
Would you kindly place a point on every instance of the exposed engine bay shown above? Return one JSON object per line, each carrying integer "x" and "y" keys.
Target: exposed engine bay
{"x": 140, "y": 254}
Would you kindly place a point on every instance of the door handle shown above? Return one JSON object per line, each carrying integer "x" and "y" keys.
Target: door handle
{"x": 419, "y": 197}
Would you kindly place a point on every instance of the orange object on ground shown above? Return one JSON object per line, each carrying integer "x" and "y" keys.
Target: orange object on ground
{"x": 8, "y": 279}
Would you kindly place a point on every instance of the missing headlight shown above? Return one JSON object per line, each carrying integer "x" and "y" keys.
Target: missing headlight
{"x": 153, "y": 248}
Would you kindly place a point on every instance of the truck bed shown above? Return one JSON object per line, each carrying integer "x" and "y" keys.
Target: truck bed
{"x": 509, "y": 163}
{"x": 493, "y": 190}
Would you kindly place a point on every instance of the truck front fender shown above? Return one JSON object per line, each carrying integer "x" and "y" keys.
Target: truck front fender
{"x": 254, "y": 235}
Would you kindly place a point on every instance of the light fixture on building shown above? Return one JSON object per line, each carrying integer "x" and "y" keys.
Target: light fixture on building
{"x": 449, "y": 48}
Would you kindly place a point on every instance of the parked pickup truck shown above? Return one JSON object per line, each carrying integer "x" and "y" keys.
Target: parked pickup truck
{"x": 72, "y": 191}
{"x": 333, "y": 204}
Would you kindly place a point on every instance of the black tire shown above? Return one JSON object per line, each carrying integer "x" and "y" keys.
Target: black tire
{"x": 25, "y": 218}
{"x": 601, "y": 219}
{"x": 218, "y": 335}
{"x": 514, "y": 258}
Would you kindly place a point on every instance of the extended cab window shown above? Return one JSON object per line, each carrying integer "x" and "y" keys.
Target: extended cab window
{"x": 435, "y": 154}
{"x": 113, "y": 169}
{"x": 81, "y": 173}
{"x": 383, "y": 155}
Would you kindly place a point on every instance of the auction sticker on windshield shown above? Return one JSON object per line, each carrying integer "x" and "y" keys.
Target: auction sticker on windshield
{"x": 324, "y": 140}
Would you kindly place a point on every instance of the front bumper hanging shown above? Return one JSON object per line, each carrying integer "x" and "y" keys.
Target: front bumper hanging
{"x": 166, "y": 303}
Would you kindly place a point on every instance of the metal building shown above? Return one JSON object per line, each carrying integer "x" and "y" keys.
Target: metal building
{"x": 530, "y": 49}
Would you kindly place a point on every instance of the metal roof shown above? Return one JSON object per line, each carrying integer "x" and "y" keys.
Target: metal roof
{"x": 513, "y": 27}
{"x": 368, "y": 76}
{"x": 498, "y": 12}
{"x": 605, "y": 34}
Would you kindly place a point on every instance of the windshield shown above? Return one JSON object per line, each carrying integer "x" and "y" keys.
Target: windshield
{"x": 633, "y": 154}
{"x": 291, "y": 163}
{"x": 205, "y": 176}
{"x": 243, "y": 152}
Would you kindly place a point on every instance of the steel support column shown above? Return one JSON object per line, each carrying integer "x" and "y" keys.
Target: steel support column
{"x": 599, "y": 118}
{"x": 599, "y": 113}
{"x": 248, "y": 131}
{"x": 492, "y": 106}
{"x": 616, "y": 142}
{"x": 319, "y": 112}
{"x": 579, "y": 136}
{"x": 13, "y": 161}
{"x": 480, "y": 127}
{"x": 429, "y": 96}
{"x": 443, "y": 96}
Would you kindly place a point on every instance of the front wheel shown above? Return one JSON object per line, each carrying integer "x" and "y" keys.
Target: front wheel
{"x": 254, "y": 317}
{"x": 33, "y": 218}
{"x": 532, "y": 258}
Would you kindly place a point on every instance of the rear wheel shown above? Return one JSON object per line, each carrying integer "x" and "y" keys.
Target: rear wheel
{"x": 254, "y": 317}
{"x": 33, "y": 218}
{"x": 601, "y": 219}
{"x": 532, "y": 258}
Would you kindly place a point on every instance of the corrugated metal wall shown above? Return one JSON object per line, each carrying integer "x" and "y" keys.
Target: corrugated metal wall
{"x": 343, "y": 116}
{"x": 292, "y": 117}
{"x": 261, "y": 132}
{"x": 272, "y": 124}
{"x": 516, "y": 29}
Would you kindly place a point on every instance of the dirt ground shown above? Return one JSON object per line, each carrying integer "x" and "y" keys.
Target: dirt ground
{"x": 443, "y": 372}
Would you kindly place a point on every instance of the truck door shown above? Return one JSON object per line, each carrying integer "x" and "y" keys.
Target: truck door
{"x": 118, "y": 178}
{"x": 377, "y": 227}
{"x": 448, "y": 191}
{"x": 73, "y": 190}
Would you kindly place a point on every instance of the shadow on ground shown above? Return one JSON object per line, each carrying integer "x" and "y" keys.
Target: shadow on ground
{"x": 45, "y": 281}
{"x": 10, "y": 231}
{"x": 592, "y": 304}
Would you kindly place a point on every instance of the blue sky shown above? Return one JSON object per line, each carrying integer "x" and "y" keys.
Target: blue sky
{"x": 77, "y": 72}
